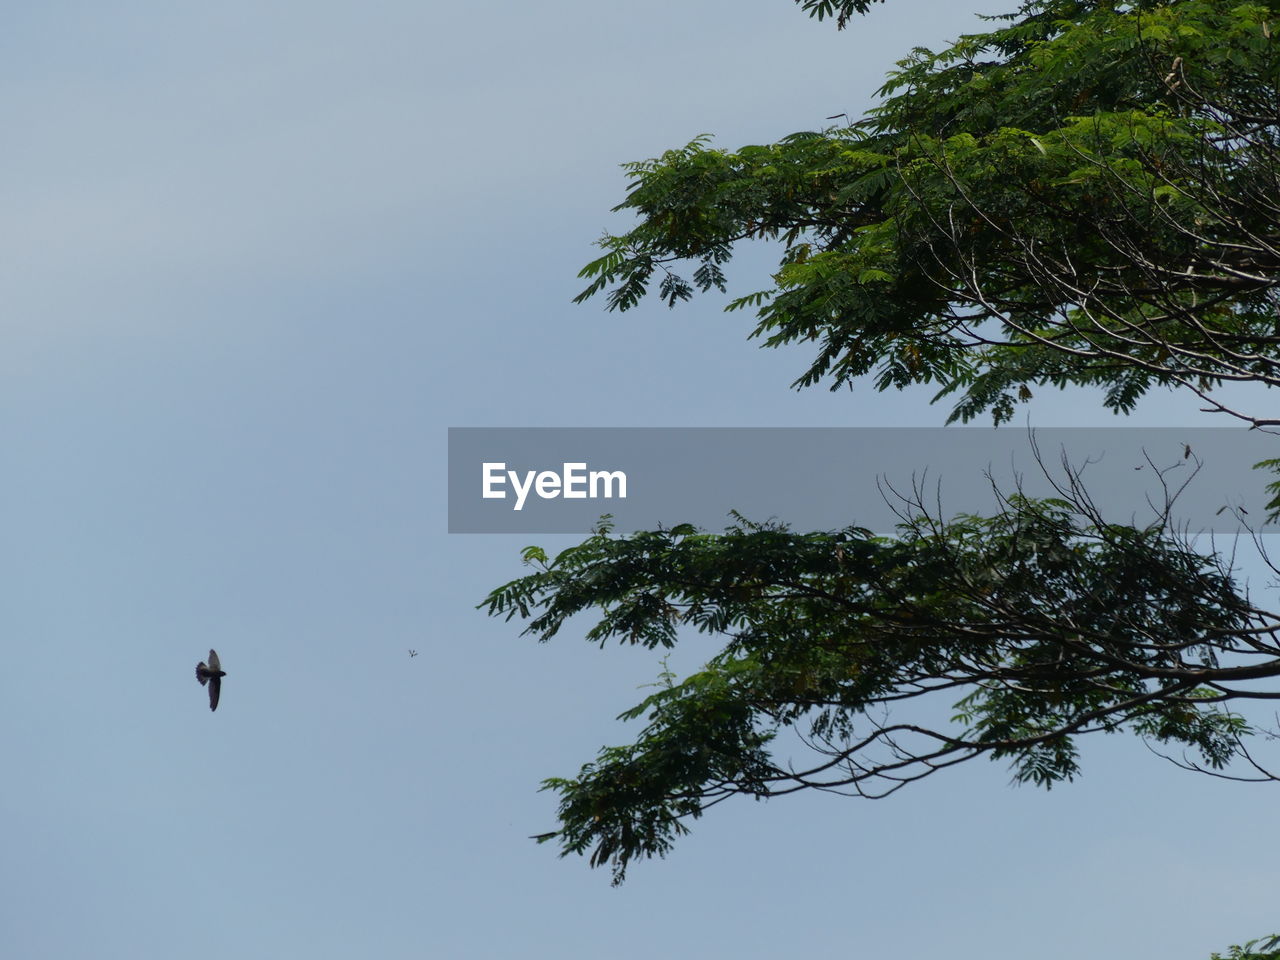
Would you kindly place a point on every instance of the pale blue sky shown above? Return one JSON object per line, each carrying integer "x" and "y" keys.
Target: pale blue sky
{"x": 256, "y": 258}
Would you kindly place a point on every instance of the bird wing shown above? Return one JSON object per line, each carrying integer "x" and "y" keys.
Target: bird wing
{"x": 215, "y": 690}
{"x": 214, "y": 663}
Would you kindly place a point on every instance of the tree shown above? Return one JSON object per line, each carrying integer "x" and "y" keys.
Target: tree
{"x": 1264, "y": 948}
{"x": 1086, "y": 195}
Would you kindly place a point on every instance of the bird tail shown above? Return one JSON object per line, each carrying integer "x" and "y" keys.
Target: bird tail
{"x": 202, "y": 673}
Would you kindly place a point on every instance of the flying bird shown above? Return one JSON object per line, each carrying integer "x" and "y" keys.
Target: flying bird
{"x": 212, "y": 674}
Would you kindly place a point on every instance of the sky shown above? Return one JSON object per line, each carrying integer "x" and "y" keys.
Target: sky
{"x": 256, "y": 259}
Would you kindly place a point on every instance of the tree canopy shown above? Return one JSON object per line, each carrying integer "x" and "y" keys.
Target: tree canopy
{"x": 1085, "y": 195}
